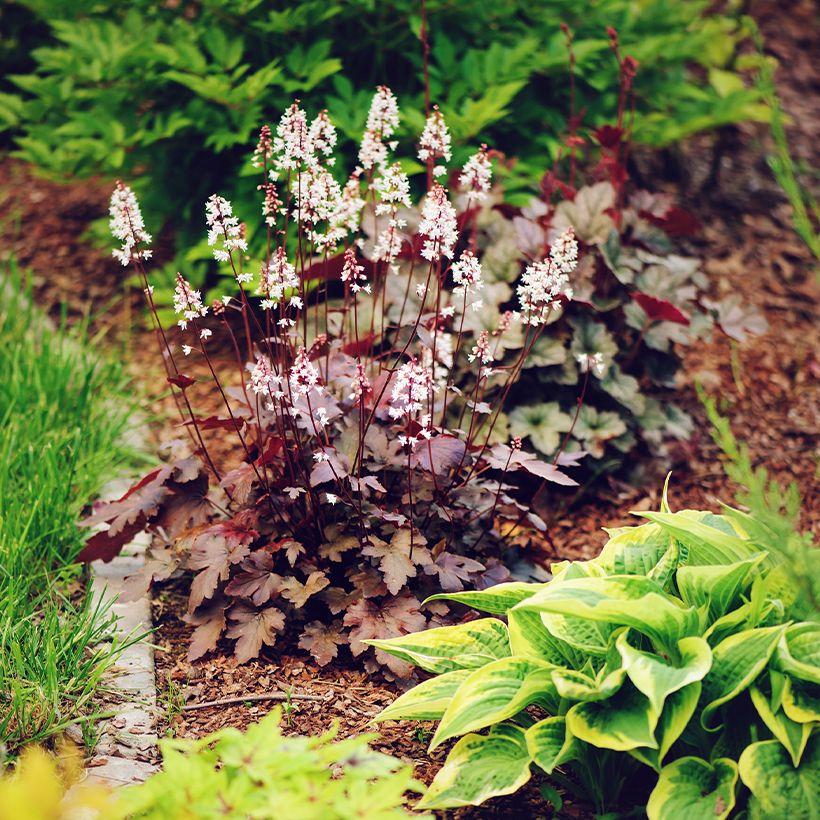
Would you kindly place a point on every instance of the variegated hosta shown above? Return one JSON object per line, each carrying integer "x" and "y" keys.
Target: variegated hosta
{"x": 676, "y": 659}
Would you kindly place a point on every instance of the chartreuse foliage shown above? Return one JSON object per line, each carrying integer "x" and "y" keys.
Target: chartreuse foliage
{"x": 260, "y": 773}
{"x": 263, "y": 773}
{"x": 676, "y": 659}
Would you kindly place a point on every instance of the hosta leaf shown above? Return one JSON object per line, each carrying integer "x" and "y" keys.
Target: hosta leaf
{"x": 446, "y": 648}
{"x": 736, "y": 662}
{"x": 794, "y": 736}
{"x": 530, "y": 638}
{"x": 798, "y": 652}
{"x": 677, "y": 712}
{"x": 778, "y": 788}
{"x": 550, "y": 744}
{"x": 494, "y": 693}
{"x": 480, "y": 767}
{"x": 625, "y": 721}
{"x": 428, "y": 700}
{"x": 707, "y": 544}
{"x": 495, "y": 600}
{"x": 583, "y": 635}
{"x": 577, "y": 686}
{"x": 693, "y": 789}
{"x": 634, "y": 550}
{"x": 718, "y": 586}
{"x": 801, "y": 701}
{"x": 624, "y": 600}
{"x": 656, "y": 677}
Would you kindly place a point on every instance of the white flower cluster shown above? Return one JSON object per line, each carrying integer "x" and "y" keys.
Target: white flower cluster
{"x": 187, "y": 302}
{"x": 322, "y": 136}
{"x": 412, "y": 388}
{"x": 126, "y": 225}
{"x": 348, "y": 213}
{"x": 481, "y": 349}
{"x": 545, "y": 282}
{"x": 593, "y": 362}
{"x": 435, "y": 141}
{"x": 304, "y": 377}
{"x": 476, "y": 175}
{"x": 393, "y": 188}
{"x": 467, "y": 277}
{"x": 438, "y": 225}
{"x": 277, "y": 277}
{"x": 382, "y": 122}
{"x": 261, "y": 376}
{"x": 352, "y": 273}
{"x": 224, "y": 228}
{"x": 360, "y": 386}
{"x": 298, "y": 146}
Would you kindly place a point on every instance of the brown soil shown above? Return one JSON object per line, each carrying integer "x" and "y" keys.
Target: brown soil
{"x": 769, "y": 387}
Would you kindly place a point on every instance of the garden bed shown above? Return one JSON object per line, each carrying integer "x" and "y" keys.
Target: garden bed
{"x": 769, "y": 387}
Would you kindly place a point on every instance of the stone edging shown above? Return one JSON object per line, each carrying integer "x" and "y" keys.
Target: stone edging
{"x": 127, "y": 750}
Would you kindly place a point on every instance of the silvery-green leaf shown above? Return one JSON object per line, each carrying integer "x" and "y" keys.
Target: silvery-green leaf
{"x": 543, "y": 424}
{"x": 625, "y": 389}
{"x": 546, "y": 352}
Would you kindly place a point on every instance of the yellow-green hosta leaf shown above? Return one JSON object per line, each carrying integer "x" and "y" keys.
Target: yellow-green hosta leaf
{"x": 709, "y": 539}
{"x": 779, "y": 790}
{"x": 531, "y": 639}
{"x": 719, "y": 587}
{"x": 496, "y": 600}
{"x": 550, "y": 743}
{"x": 494, "y": 693}
{"x": 693, "y": 789}
{"x": 633, "y": 550}
{"x": 581, "y": 634}
{"x": 621, "y": 600}
{"x": 801, "y": 701}
{"x": 445, "y": 648}
{"x": 798, "y": 652}
{"x": 625, "y": 721}
{"x": 480, "y": 767}
{"x": 664, "y": 571}
{"x": 577, "y": 686}
{"x": 656, "y": 677}
{"x": 428, "y": 700}
{"x": 677, "y": 712}
{"x": 794, "y": 736}
{"x": 736, "y": 662}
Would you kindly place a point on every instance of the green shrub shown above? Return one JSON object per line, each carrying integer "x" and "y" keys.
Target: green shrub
{"x": 173, "y": 91}
{"x": 263, "y": 773}
{"x": 672, "y": 671}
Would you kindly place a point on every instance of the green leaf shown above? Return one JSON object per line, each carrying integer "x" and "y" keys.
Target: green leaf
{"x": 625, "y": 721}
{"x": 625, "y": 600}
{"x": 718, "y": 586}
{"x": 530, "y": 638}
{"x": 677, "y": 712}
{"x": 693, "y": 789}
{"x": 577, "y": 686}
{"x": 801, "y": 701}
{"x": 446, "y": 648}
{"x": 428, "y": 700}
{"x": 634, "y": 550}
{"x": 495, "y": 600}
{"x": 794, "y": 736}
{"x": 480, "y": 767}
{"x": 778, "y": 788}
{"x": 798, "y": 652}
{"x": 707, "y": 544}
{"x": 656, "y": 677}
{"x": 494, "y": 693}
{"x": 736, "y": 662}
{"x": 550, "y": 744}
{"x": 543, "y": 423}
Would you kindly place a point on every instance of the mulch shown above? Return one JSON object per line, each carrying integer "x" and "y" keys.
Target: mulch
{"x": 769, "y": 387}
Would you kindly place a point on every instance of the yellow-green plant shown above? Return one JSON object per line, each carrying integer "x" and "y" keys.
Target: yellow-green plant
{"x": 671, "y": 671}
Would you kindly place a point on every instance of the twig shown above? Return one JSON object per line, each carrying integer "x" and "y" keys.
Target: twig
{"x": 189, "y": 707}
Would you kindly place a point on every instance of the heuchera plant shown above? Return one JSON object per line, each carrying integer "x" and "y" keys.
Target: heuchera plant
{"x": 636, "y": 301}
{"x": 369, "y": 381}
{"x": 677, "y": 671}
